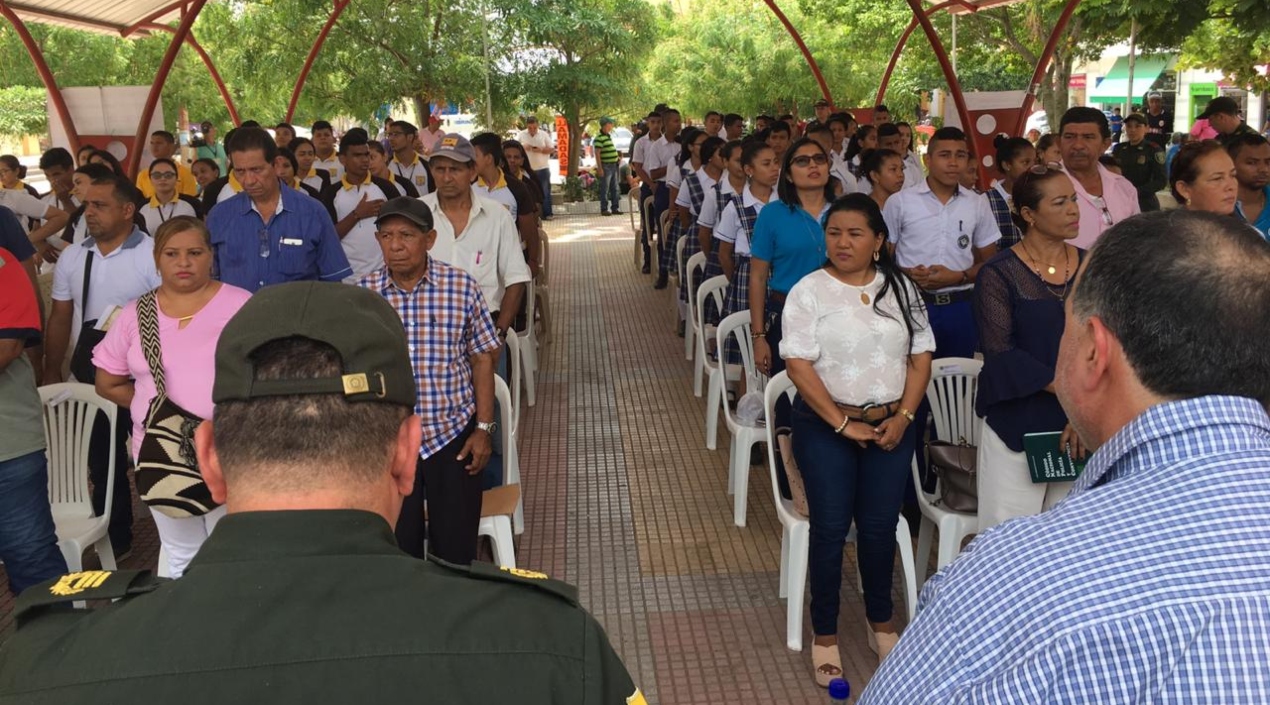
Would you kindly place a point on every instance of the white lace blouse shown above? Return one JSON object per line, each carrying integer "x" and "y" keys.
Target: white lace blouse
{"x": 860, "y": 355}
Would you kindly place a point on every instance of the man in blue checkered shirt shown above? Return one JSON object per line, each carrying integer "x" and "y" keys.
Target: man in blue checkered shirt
{"x": 453, "y": 344}
{"x": 1150, "y": 582}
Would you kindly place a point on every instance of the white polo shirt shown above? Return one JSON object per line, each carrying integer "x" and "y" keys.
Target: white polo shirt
{"x": 709, "y": 216}
{"x": 23, "y": 205}
{"x": 332, "y": 166}
{"x": 655, "y": 157}
{"x": 414, "y": 172}
{"x": 119, "y": 277}
{"x": 729, "y": 228}
{"x": 537, "y": 161}
{"x": 927, "y": 232}
{"x": 499, "y": 193}
{"x": 640, "y": 152}
{"x": 488, "y": 248}
{"x": 157, "y": 214}
{"x": 360, "y": 246}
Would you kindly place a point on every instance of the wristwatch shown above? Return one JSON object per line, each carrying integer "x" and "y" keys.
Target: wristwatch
{"x": 487, "y": 426}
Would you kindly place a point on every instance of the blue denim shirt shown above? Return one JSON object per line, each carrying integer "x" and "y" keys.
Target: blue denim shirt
{"x": 299, "y": 243}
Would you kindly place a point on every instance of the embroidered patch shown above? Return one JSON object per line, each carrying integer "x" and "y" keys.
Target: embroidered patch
{"x": 521, "y": 573}
{"x": 75, "y": 583}
{"x": 963, "y": 242}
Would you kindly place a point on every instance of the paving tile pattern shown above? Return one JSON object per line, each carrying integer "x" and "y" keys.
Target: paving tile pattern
{"x": 623, "y": 500}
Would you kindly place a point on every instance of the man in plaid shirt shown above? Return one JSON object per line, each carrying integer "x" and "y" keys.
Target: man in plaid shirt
{"x": 453, "y": 348}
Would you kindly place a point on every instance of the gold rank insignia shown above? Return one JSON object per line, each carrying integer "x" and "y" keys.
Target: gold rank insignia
{"x": 521, "y": 573}
{"x": 636, "y": 698}
{"x": 76, "y": 583}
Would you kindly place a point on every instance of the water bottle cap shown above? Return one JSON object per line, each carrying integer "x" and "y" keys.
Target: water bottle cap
{"x": 839, "y": 689}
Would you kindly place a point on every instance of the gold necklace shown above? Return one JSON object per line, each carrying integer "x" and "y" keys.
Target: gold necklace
{"x": 864, "y": 294}
{"x": 1050, "y": 268}
{"x": 1066, "y": 271}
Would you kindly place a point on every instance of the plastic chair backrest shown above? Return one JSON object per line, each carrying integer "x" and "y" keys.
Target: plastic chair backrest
{"x": 714, "y": 286}
{"x": 70, "y": 412}
{"x": 503, "y": 400}
{"x": 737, "y": 325}
{"x": 951, "y": 392}
{"x": 544, "y": 255}
{"x": 679, "y": 256}
{"x": 776, "y": 386}
{"x": 695, "y": 268}
{"x": 664, "y": 224}
{"x": 529, "y": 312}
{"x": 513, "y": 371}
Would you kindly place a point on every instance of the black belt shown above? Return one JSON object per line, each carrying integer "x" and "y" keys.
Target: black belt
{"x": 947, "y": 297}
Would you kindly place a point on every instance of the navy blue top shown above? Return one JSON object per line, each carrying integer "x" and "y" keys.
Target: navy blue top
{"x": 13, "y": 238}
{"x": 1020, "y": 319}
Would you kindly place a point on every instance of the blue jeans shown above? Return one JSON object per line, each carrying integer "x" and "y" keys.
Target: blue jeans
{"x": 544, "y": 180}
{"x": 28, "y": 539}
{"x": 847, "y": 483}
{"x": 608, "y": 187}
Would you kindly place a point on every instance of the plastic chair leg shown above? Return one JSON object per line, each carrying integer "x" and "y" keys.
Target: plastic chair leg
{"x": 713, "y": 400}
{"x": 925, "y": 535}
{"x": 528, "y": 358}
{"x": 698, "y": 370}
{"x": 543, "y": 305}
{"x": 904, "y": 537}
{"x": 106, "y": 553}
{"x": 501, "y": 542}
{"x": 783, "y": 591}
{"x": 732, "y": 453}
{"x": 799, "y": 544}
{"x": 742, "y": 495}
{"x": 690, "y": 336}
{"x": 73, "y": 552}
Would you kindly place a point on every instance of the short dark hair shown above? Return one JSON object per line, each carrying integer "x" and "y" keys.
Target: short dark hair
{"x": 321, "y": 125}
{"x": 728, "y": 148}
{"x": 259, "y": 443}
{"x": 406, "y": 127}
{"x": 731, "y": 119}
{"x": 1186, "y": 163}
{"x": 1082, "y": 115}
{"x": 890, "y": 129}
{"x": 295, "y": 144}
{"x": 247, "y": 139}
{"x": 714, "y": 113}
{"x": 94, "y": 171}
{"x": 162, "y": 160}
{"x": 531, "y": 118}
{"x": 285, "y": 126}
{"x": 250, "y": 123}
{"x": 711, "y": 146}
{"x": 881, "y": 108}
{"x": 167, "y": 136}
{"x": 779, "y": 126}
{"x": 57, "y": 156}
{"x": 207, "y": 161}
{"x": 787, "y": 118}
{"x": 121, "y": 188}
{"x": 353, "y": 138}
{"x": 817, "y": 128}
{"x": 1184, "y": 293}
{"x": 1234, "y": 143}
{"x": 111, "y": 161}
{"x": 375, "y": 146}
{"x": 946, "y": 134}
{"x": 489, "y": 144}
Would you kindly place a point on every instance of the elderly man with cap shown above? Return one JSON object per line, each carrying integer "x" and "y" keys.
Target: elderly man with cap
{"x": 450, "y": 336}
{"x": 301, "y": 595}
{"x": 1222, "y": 114}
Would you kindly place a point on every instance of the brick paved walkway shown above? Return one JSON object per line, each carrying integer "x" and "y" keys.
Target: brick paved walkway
{"x": 623, "y": 500}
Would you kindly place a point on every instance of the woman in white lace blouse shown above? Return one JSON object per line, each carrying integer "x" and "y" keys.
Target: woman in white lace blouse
{"x": 858, "y": 347}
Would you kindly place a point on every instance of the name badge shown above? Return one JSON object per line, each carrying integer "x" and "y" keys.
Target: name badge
{"x": 292, "y": 241}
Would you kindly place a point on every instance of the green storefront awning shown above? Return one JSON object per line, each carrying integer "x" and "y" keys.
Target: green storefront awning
{"x": 1115, "y": 87}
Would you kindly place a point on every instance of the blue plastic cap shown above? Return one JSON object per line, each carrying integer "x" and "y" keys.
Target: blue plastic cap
{"x": 839, "y": 689}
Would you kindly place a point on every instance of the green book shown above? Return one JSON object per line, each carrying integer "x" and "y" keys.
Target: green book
{"x": 1048, "y": 460}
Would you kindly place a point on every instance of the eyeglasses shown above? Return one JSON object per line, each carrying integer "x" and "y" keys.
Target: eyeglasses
{"x": 1043, "y": 169}
{"x": 806, "y": 160}
{"x": 264, "y": 244}
{"x": 162, "y": 175}
{"x": 1106, "y": 214}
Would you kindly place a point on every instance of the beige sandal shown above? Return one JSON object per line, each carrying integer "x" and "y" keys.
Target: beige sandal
{"x": 827, "y": 662}
{"x": 882, "y": 643}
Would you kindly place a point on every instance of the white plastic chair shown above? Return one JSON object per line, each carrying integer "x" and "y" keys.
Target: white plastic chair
{"x": 744, "y": 437}
{"x": 951, "y": 393}
{"x": 678, "y": 276}
{"x": 696, "y": 267}
{"x": 500, "y": 505}
{"x": 529, "y": 345}
{"x": 632, "y": 205}
{"x": 515, "y": 373}
{"x": 70, "y": 411}
{"x": 712, "y": 288}
{"x": 796, "y": 533}
{"x": 542, "y": 291}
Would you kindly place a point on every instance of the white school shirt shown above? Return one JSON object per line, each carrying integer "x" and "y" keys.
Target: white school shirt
{"x": 655, "y": 156}
{"x": 927, "y": 232}
{"x": 488, "y": 248}
{"x": 332, "y": 166}
{"x": 360, "y": 245}
{"x": 684, "y": 199}
{"x": 23, "y": 205}
{"x": 913, "y": 174}
{"x": 709, "y": 216}
{"x": 729, "y": 228}
{"x": 156, "y": 214}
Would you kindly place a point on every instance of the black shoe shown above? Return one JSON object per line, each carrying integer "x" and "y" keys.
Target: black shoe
{"x": 548, "y": 217}
{"x": 680, "y": 329}
{"x": 646, "y": 270}
{"x": 616, "y": 212}
{"x": 605, "y": 213}
{"x": 661, "y": 282}
{"x": 758, "y": 454}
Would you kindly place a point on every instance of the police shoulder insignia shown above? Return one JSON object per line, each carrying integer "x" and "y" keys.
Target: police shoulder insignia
{"x": 86, "y": 585}
{"x": 520, "y": 576}
{"x": 1159, "y": 156}
{"x": 75, "y": 583}
{"x": 636, "y": 698}
{"x": 530, "y": 574}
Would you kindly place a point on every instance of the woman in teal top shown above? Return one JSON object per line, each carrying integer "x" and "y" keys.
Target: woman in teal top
{"x": 788, "y": 244}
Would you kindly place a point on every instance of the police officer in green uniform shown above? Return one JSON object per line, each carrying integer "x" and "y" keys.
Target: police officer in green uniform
{"x": 1222, "y": 113}
{"x": 301, "y": 594}
{"x": 1141, "y": 162}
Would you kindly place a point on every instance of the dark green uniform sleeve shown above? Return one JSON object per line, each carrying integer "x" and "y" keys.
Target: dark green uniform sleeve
{"x": 1158, "y": 178}
{"x": 607, "y": 680}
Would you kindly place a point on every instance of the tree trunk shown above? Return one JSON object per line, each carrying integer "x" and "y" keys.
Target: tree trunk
{"x": 421, "y": 110}
{"x": 571, "y": 118}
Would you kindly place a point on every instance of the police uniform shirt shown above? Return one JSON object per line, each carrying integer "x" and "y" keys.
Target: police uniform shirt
{"x": 316, "y": 606}
{"x": 415, "y": 173}
{"x": 333, "y": 166}
{"x": 1142, "y": 164}
{"x": 360, "y": 246}
{"x": 927, "y": 232}
{"x": 157, "y": 214}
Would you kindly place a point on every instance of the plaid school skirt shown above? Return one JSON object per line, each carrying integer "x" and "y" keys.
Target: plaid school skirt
{"x": 669, "y": 243}
{"x": 692, "y": 247}
{"x": 736, "y": 299}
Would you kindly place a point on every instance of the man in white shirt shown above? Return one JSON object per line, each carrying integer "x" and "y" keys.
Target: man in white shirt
{"x": 354, "y": 203}
{"x": 474, "y": 233}
{"x": 538, "y": 144}
{"x": 659, "y": 165}
{"x": 643, "y": 157}
{"x": 118, "y": 260}
{"x": 324, "y": 145}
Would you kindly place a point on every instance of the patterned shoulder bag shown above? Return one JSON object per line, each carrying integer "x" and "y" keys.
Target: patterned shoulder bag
{"x": 168, "y": 479}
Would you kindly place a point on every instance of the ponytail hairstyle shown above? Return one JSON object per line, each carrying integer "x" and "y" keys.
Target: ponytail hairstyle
{"x": 727, "y": 148}
{"x": 853, "y": 147}
{"x": 712, "y": 145}
{"x": 16, "y": 166}
{"x": 893, "y": 278}
{"x": 750, "y": 149}
{"x": 1027, "y": 192}
{"x": 874, "y": 159}
{"x": 685, "y": 144}
{"x": 1008, "y": 149}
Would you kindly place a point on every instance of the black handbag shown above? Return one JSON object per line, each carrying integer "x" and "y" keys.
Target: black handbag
{"x": 82, "y": 357}
{"x": 956, "y": 465}
{"x": 168, "y": 478}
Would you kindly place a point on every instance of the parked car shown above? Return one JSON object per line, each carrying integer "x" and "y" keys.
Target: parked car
{"x": 622, "y": 139}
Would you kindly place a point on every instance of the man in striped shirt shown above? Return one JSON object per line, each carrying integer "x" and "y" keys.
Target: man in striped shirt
{"x": 1150, "y": 582}
{"x": 609, "y": 161}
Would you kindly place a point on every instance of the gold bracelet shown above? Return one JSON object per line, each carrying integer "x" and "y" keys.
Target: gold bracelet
{"x": 846, "y": 421}
{"x": 756, "y": 334}
{"x": 907, "y": 414}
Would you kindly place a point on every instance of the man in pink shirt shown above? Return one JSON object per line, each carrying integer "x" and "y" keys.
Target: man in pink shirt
{"x": 431, "y": 135}
{"x": 1105, "y": 198}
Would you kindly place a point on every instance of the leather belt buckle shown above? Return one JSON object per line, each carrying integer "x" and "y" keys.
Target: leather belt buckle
{"x": 943, "y": 299}
{"x": 867, "y": 408}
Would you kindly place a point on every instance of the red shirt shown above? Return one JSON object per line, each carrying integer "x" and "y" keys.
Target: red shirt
{"x": 19, "y": 309}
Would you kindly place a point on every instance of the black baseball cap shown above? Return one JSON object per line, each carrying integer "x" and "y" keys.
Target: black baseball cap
{"x": 822, "y": 103}
{"x": 362, "y": 327}
{"x": 411, "y": 209}
{"x": 1136, "y": 118}
{"x": 1222, "y": 105}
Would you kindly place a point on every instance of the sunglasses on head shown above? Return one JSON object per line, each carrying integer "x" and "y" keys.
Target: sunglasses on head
{"x": 1042, "y": 169}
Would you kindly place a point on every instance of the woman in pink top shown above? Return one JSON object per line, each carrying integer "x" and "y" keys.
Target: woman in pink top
{"x": 192, "y": 309}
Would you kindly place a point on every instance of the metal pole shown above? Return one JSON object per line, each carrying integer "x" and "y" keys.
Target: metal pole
{"x": 811, "y": 62}
{"x": 953, "y": 57}
{"x": 313, "y": 52}
{"x": 1133, "y": 41}
{"x": 156, "y": 89}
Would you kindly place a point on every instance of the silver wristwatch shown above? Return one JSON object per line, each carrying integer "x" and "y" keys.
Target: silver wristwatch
{"x": 489, "y": 427}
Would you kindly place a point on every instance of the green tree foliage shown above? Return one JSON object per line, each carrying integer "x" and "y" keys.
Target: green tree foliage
{"x": 22, "y": 111}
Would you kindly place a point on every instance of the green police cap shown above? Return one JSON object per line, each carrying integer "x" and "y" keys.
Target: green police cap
{"x": 362, "y": 327}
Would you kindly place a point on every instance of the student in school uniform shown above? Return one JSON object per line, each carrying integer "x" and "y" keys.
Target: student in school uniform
{"x": 354, "y": 203}
{"x": 166, "y": 203}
